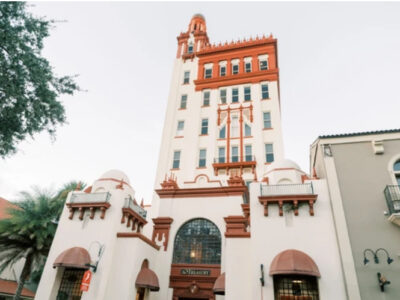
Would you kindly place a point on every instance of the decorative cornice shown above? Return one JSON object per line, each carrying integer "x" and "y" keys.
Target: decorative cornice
{"x": 222, "y": 191}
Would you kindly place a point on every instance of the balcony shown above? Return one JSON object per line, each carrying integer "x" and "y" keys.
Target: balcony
{"x": 392, "y": 195}
{"x": 88, "y": 201}
{"x": 292, "y": 194}
{"x": 234, "y": 162}
{"x": 134, "y": 214}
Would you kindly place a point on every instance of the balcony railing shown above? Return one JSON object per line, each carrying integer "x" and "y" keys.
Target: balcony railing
{"x": 129, "y": 203}
{"x": 234, "y": 159}
{"x": 287, "y": 189}
{"x": 392, "y": 195}
{"x": 82, "y": 198}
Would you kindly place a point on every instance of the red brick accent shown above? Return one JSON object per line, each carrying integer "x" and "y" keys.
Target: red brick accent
{"x": 161, "y": 228}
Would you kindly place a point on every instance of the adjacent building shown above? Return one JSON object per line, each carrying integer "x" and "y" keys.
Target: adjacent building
{"x": 363, "y": 175}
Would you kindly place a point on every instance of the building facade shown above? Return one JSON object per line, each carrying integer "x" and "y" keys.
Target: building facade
{"x": 363, "y": 175}
{"x": 231, "y": 218}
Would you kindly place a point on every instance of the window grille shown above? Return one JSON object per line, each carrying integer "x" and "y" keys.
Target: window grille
{"x": 264, "y": 91}
{"x": 198, "y": 242}
{"x": 70, "y": 285}
{"x": 295, "y": 287}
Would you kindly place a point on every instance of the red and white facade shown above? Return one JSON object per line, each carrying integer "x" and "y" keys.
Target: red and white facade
{"x": 230, "y": 217}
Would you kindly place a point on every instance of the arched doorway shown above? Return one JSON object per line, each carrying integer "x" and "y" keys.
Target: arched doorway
{"x": 196, "y": 262}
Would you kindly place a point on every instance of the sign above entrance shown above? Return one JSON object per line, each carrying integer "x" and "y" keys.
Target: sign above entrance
{"x": 195, "y": 272}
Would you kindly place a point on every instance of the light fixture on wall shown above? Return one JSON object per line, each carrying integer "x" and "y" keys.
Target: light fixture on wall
{"x": 382, "y": 281}
{"x": 262, "y": 275}
{"x": 100, "y": 253}
{"x": 389, "y": 260}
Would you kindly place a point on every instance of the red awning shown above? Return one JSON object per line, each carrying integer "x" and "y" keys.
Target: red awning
{"x": 293, "y": 262}
{"x": 76, "y": 257}
{"x": 147, "y": 279}
{"x": 219, "y": 285}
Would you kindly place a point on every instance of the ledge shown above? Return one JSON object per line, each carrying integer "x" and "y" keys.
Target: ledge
{"x": 140, "y": 236}
{"x": 103, "y": 206}
{"x": 222, "y": 191}
{"x": 292, "y": 199}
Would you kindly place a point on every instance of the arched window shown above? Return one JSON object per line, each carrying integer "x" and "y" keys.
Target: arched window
{"x": 197, "y": 242}
{"x": 396, "y": 171}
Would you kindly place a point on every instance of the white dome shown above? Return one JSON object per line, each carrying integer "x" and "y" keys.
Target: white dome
{"x": 283, "y": 164}
{"x": 115, "y": 174}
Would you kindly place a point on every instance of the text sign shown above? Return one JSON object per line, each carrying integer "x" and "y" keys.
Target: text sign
{"x": 195, "y": 272}
{"x": 87, "y": 276}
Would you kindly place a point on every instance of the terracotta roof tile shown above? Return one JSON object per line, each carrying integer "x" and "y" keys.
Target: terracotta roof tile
{"x": 9, "y": 287}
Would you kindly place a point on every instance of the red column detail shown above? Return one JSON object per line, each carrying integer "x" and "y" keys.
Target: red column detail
{"x": 228, "y": 135}
{"x": 241, "y": 132}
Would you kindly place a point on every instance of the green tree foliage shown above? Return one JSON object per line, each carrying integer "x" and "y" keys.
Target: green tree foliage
{"x": 29, "y": 90}
{"x": 30, "y": 229}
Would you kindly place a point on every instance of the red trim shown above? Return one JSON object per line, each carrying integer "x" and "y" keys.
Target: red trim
{"x": 120, "y": 181}
{"x": 294, "y": 199}
{"x": 236, "y": 227}
{"x": 222, "y": 191}
{"x": 81, "y": 207}
{"x": 205, "y": 175}
{"x": 140, "y": 236}
{"x": 161, "y": 228}
{"x": 178, "y": 137}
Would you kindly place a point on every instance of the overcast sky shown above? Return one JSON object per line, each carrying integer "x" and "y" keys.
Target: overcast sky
{"x": 339, "y": 72}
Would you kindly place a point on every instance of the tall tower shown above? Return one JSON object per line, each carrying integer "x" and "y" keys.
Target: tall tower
{"x": 223, "y": 113}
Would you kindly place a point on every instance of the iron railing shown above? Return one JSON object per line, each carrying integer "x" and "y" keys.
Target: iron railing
{"x": 392, "y": 195}
{"x": 90, "y": 197}
{"x": 287, "y": 189}
{"x": 129, "y": 203}
{"x": 233, "y": 159}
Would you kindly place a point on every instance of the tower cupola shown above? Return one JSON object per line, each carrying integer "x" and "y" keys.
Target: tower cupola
{"x": 194, "y": 39}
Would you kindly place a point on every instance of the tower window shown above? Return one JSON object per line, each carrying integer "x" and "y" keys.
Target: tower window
{"x": 190, "y": 48}
{"x": 247, "y": 67}
{"x": 176, "y": 161}
{"x": 248, "y": 153}
{"x": 396, "y": 170}
{"x": 186, "y": 77}
{"x": 180, "y": 127}
{"x": 235, "y": 69}
{"x": 183, "y": 101}
{"x": 235, "y": 126}
{"x": 247, "y": 93}
{"x": 247, "y": 130}
{"x": 208, "y": 73}
{"x": 221, "y": 154}
{"x": 206, "y": 98}
{"x": 235, "y": 95}
{"x": 269, "y": 153}
{"x": 222, "y": 96}
{"x": 263, "y": 64}
{"x": 202, "y": 157}
{"x": 70, "y": 284}
{"x": 264, "y": 91}
{"x": 222, "y": 132}
{"x": 204, "y": 126}
{"x": 235, "y": 154}
{"x": 267, "y": 120}
{"x": 222, "y": 71}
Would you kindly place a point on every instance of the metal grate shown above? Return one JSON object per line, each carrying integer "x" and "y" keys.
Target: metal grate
{"x": 198, "y": 242}
{"x": 392, "y": 195}
{"x": 70, "y": 285}
{"x": 287, "y": 189}
{"x": 90, "y": 198}
{"x": 295, "y": 287}
{"x": 129, "y": 203}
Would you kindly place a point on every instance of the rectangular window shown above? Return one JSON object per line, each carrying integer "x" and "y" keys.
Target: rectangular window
{"x": 222, "y": 96}
{"x": 263, "y": 64}
{"x": 183, "y": 101}
{"x": 264, "y": 91}
{"x": 247, "y": 93}
{"x": 221, "y": 154}
{"x": 249, "y": 156}
{"x": 186, "y": 77}
{"x": 190, "y": 48}
{"x": 176, "y": 161}
{"x": 208, "y": 73}
{"x": 206, "y": 98}
{"x": 180, "y": 127}
{"x": 222, "y": 70}
{"x": 269, "y": 153}
{"x": 222, "y": 132}
{"x": 204, "y": 126}
{"x": 235, "y": 154}
{"x": 247, "y": 130}
{"x": 235, "y": 69}
{"x": 267, "y": 120}
{"x": 235, "y": 95}
{"x": 247, "y": 67}
{"x": 202, "y": 157}
{"x": 235, "y": 126}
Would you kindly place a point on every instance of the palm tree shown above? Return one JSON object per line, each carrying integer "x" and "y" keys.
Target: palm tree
{"x": 29, "y": 231}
